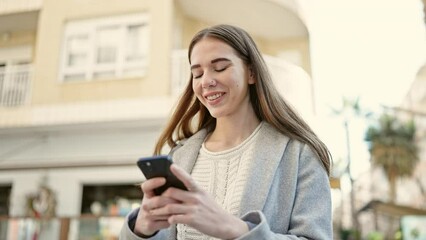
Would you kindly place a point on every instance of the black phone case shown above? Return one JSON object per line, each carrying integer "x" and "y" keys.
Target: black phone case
{"x": 159, "y": 166}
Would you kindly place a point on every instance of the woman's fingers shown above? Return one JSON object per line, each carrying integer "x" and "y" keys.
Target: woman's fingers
{"x": 149, "y": 185}
{"x": 157, "y": 202}
{"x": 157, "y": 218}
{"x": 147, "y": 223}
{"x": 171, "y": 209}
{"x": 185, "y": 178}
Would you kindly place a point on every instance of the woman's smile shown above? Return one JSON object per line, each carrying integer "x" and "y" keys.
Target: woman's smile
{"x": 214, "y": 97}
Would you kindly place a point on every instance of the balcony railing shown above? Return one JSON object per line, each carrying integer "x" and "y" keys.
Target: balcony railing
{"x": 15, "y": 85}
{"x": 13, "y": 6}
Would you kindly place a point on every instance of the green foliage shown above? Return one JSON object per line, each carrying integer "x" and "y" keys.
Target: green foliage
{"x": 350, "y": 234}
{"x": 392, "y": 145}
{"x": 375, "y": 236}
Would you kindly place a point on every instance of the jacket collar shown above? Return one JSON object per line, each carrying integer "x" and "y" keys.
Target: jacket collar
{"x": 186, "y": 152}
{"x": 268, "y": 151}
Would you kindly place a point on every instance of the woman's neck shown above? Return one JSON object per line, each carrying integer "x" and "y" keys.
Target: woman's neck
{"x": 230, "y": 133}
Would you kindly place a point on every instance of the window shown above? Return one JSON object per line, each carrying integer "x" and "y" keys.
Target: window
{"x": 5, "y": 199}
{"x": 105, "y": 48}
{"x": 103, "y": 209}
{"x": 110, "y": 200}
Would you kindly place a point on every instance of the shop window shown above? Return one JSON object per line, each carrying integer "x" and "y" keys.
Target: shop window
{"x": 105, "y": 48}
{"x": 4, "y": 208}
{"x": 110, "y": 200}
{"x": 5, "y": 199}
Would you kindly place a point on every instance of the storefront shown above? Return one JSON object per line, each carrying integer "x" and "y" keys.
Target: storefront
{"x": 72, "y": 182}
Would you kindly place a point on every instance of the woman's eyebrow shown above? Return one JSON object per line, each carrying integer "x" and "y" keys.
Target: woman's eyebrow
{"x": 195, "y": 66}
{"x": 220, "y": 60}
{"x": 212, "y": 61}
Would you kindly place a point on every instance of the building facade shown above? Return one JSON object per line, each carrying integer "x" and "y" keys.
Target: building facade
{"x": 86, "y": 86}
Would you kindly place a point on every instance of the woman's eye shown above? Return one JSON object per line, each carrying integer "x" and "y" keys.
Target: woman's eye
{"x": 196, "y": 73}
{"x": 195, "y": 76}
{"x": 220, "y": 69}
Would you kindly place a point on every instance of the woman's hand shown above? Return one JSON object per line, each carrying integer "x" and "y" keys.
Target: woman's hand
{"x": 198, "y": 210}
{"x": 146, "y": 223}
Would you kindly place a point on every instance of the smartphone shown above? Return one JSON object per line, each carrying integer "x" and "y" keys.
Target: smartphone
{"x": 159, "y": 166}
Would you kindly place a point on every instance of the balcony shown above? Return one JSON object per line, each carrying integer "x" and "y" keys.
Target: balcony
{"x": 18, "y": 16}
{"x": 15, "y": 85}
{"x": 16, "y": 6}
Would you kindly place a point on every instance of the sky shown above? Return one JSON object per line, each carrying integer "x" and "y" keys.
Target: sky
{"x": 370, "y": 49}
{"x": 367, "y": 48}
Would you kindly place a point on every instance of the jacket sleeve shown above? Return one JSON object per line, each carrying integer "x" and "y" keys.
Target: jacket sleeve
{"x": 311, "y": 213}
{"x": 127, "y": 234}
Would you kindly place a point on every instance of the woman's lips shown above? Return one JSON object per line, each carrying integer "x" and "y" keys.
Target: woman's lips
{"x": 214, "y": 98}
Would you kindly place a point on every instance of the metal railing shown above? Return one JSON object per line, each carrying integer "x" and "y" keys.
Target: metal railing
{"x": 11, "y": 6}
{"x": 15, "y": 85}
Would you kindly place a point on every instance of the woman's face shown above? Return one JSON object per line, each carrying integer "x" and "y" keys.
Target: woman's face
{"x": 220, "y": 79}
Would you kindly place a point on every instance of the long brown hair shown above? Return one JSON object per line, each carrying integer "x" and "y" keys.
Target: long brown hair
{"x": 190, "y": 115}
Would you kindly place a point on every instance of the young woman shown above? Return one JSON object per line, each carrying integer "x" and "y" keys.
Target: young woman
{"x": 253, "y": 168}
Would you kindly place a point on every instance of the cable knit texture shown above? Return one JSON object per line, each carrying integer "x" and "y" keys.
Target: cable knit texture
{"x": 223, "y": 175}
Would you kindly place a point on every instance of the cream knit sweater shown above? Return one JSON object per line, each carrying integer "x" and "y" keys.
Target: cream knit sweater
{"x": 223, "y": 175}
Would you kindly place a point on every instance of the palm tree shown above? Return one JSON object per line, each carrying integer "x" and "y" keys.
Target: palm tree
{"x": 392, "y": 146}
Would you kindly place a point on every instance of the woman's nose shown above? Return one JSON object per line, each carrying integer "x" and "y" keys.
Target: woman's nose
{"x": 208, "y": 81}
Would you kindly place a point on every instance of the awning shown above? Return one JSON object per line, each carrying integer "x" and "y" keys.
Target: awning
{"x": 391, "y": 209}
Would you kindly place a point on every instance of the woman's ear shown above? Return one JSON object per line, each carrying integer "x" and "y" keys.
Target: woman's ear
{"x": 252, "y": 79}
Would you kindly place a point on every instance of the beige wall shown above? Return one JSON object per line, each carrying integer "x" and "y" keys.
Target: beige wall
{"x": 188, "y": 26}
{"x": 164, "y": 17}
{"x": 47, "y": 88}
{"x": 191, "y": 26}
{"x": 301, "y": 45}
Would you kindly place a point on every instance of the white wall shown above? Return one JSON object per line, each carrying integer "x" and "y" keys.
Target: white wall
{"x": 66, "y": 184}
{"x": 97, "y": 146}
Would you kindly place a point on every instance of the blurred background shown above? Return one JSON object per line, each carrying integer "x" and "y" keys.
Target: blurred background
{"x": 86, "y": 87}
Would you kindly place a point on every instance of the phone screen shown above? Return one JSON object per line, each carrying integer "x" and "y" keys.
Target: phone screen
{"x": 159, "y": 166}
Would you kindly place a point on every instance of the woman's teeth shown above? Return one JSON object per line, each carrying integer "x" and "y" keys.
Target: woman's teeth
{"x": 213, "y": 97}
